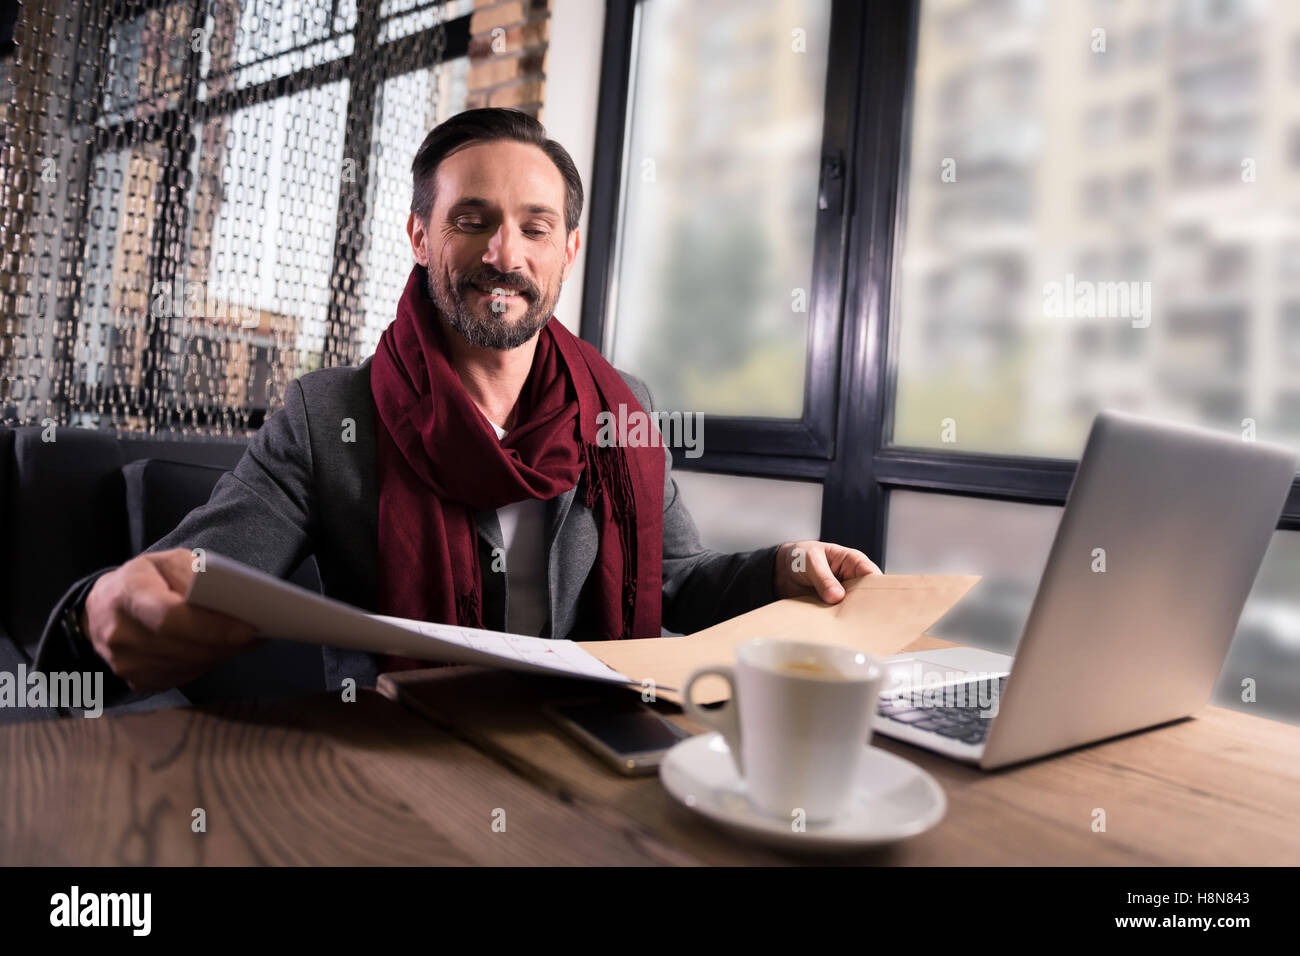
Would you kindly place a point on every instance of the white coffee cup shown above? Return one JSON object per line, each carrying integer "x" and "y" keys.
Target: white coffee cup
{"x": 797, "y": 724}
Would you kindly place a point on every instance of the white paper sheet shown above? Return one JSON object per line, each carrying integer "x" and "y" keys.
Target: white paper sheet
{"x": 280, "y": 609}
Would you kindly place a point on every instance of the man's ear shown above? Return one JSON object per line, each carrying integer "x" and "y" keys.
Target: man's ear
{"x": 571, "y": 247}
{"x": 415, "y": 229}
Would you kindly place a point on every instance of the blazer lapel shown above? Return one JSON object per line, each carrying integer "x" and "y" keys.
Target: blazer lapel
{"x": 559, "y": 587}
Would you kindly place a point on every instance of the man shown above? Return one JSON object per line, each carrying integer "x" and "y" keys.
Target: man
{"x": 458, "y": 475}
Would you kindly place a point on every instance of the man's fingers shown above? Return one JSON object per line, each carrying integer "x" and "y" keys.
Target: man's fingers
{"x": 854, "y": 564}
{"x": 175, "y": 567}
{"x": 126, "y": 651}
{"x": 828, "y": 588}
{"x": 848, "y": 563}
{"x": 177, "y": 664}
{"x": 168, "y": 614}
{"x": 138, "y": 621}
{"x": 128, "y": 645}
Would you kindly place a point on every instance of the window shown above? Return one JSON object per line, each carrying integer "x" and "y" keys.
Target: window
{"x": 714, "y": 257}
{"x": 1293, "y": 146}
{"x": 1137, "y": 188}
{"x": 1033, "y": 397}
{"x": 1139, "y": 116}
{"x": 1102, "y": 50}
{"x": 1289, "y": 351}
{"x": 715, "y": 270}
{"x": 1099, "y": 126}
{"x": 243, "y": 174}
{"x": 1146, "y": 42}
{"x": 974, "y": 405}
{"x": 1134, "y": 261}
{"x": 963, "y": 397}
{"x": 1095, "y": 199}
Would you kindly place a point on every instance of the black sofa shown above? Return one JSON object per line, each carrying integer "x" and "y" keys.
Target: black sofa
{"x": 86, "y": 501}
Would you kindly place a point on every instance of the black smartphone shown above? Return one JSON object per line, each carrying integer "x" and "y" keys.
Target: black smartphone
{"x": 626, "y": 734}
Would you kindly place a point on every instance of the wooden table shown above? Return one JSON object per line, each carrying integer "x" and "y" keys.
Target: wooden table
{"x": 465, "y": 770}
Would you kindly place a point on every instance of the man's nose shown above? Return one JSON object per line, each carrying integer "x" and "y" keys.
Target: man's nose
{"x": 505, "y": 250}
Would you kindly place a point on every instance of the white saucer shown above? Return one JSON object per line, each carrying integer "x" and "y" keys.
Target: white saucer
{"x": 893, "y": 799}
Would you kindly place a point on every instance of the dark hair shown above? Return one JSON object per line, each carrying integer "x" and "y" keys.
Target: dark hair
{"x": 491, "y": 124}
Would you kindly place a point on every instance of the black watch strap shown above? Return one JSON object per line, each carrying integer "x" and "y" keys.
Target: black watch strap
{"x": 72, "y": 622}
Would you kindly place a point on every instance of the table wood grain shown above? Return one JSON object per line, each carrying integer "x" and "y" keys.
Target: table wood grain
{"x": 308, "y": 781}
{"x": 1218, "y": 789}
{"x": 420, "y": 773}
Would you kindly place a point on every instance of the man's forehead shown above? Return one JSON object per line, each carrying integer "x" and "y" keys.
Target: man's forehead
{"x": 501, "y": 171}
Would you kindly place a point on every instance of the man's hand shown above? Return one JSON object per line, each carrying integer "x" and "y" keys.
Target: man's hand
{"x": 803, "y": 566}
{"x": 138, "y": 622}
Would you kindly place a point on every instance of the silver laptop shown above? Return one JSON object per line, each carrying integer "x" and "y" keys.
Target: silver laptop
{"x": 1163, "y": 533}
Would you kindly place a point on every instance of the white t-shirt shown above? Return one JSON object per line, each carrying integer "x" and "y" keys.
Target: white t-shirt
{"x": 523, "y": 533}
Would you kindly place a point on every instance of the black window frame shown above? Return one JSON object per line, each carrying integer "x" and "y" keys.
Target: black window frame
{"x": 790, "y": 448}
{"x": 864, "y": 466}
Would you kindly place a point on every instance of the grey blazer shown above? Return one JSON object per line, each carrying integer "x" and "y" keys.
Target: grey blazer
{"x": 306, "y": 485}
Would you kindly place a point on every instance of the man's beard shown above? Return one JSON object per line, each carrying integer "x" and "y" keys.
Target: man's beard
{"x": 478, "y": 323}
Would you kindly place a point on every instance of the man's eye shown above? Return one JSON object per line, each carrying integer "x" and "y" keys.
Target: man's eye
{"x": 536, "y": 233}
{"x": 469, "y": 223}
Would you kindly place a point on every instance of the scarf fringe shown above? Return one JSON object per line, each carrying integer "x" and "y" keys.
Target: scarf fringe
{"x": 606, "y": 468}
{"x": 469, "y": 613}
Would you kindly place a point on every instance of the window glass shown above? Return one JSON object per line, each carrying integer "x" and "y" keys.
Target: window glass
{"x": 1102, "y": 210}
{"x": 721, "y": 165}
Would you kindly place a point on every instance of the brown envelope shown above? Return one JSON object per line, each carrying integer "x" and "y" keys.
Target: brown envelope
{"x": 880, "y": 614}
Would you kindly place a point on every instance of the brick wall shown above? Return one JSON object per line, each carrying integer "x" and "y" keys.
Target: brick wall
{"x": 507, "y": 55}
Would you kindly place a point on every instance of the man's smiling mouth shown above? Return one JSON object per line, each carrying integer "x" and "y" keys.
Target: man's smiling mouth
{"x": 502, "y": 290}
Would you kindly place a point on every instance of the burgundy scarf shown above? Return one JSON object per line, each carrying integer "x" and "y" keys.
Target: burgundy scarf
{"x": 439, "y": 460}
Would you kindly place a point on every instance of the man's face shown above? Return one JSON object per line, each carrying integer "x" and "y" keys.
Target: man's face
{"x": 495, "y": 246}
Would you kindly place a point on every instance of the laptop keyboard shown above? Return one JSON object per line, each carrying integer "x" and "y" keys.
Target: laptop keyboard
{"x": 962, "y": 723}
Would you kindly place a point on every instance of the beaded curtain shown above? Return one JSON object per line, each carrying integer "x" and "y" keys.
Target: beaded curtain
{"x": 205, "y": 199}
